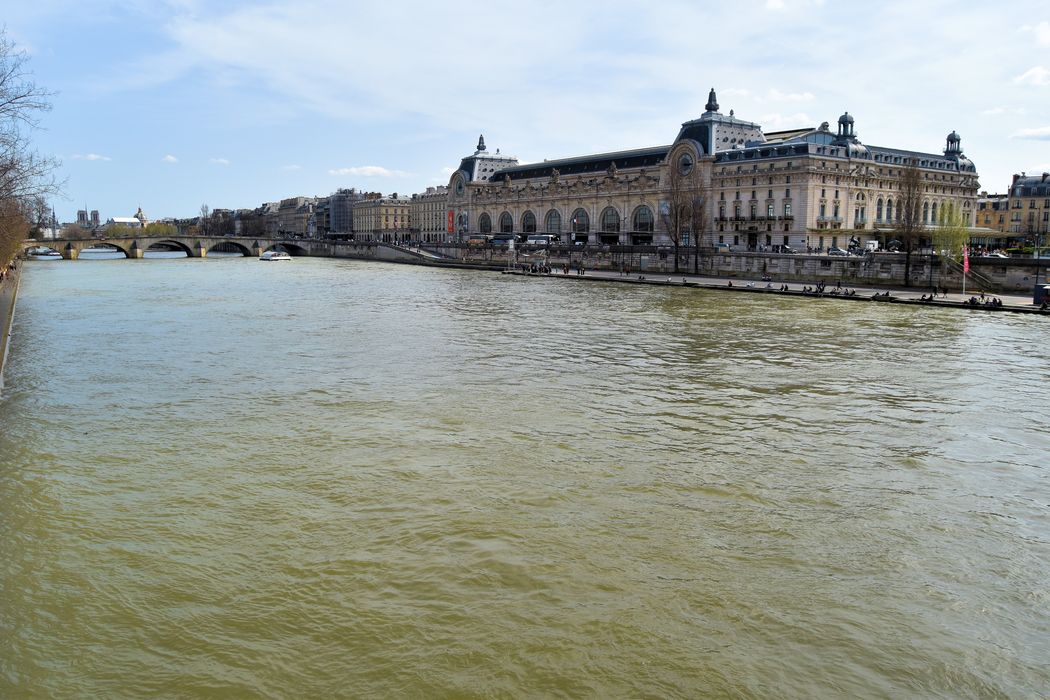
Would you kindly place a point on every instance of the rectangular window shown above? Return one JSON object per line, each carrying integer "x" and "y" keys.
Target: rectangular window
{"x": 787, "y": 193}
{"x": 787, "y": 209}
{"x": 721, "y": 239}
{"x": 785, "y": 240}
{"x": 736, "y": 240}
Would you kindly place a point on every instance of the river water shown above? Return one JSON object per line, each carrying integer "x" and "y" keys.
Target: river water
{"x": 323, "y": 478}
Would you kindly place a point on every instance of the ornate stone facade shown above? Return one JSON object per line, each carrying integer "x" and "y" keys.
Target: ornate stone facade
{"x": 1030, "y": 207}
{"x": 807, "y": 188}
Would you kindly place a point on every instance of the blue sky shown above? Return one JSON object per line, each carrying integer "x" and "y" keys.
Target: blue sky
{"x": 177, "y": 103}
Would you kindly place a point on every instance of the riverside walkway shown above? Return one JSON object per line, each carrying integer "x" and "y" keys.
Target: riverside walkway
{"x": 901, "y": 295}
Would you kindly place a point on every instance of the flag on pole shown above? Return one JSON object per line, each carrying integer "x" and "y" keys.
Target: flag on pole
{"x": 966, "y": 259}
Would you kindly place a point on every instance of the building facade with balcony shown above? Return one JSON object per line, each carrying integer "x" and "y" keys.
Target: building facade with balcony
{"x": 1029, "y": 203}
{"x": 384, "y": 219}
{"x": 808, "y": 188}
{"x": 430, "y": 219}
{"x": 293, "y": 216}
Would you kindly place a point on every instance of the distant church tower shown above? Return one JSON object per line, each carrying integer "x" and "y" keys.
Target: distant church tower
{"x": 141, "y": 217}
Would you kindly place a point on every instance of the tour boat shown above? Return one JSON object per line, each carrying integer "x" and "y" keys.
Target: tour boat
{"x": 275, "y": 255}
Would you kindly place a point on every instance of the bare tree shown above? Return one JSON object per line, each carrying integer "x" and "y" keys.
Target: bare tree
{"x": 679, "y": 206}
{"x": 25, "y": 175}
{"x": 909, "y": 212}
{"x": 698, "y": 193}
{"x": 202, "y": 225}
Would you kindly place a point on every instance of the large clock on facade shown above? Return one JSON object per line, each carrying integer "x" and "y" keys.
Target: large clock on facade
{"x": 685, "y": 164}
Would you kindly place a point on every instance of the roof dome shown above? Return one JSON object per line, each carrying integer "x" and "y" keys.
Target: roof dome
{"x": 846, "y": 119}
{"x": 954, "y": 138}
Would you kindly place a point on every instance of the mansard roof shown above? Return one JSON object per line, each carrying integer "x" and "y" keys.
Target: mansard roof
{"x": 580, "y": 165}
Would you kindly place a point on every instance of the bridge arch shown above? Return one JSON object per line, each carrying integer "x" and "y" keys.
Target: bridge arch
{"x": 99, "y": 246}
{"x": 171, "y": 242}
{"x": 229, "y": 247}
{"x": 290, "y": 248}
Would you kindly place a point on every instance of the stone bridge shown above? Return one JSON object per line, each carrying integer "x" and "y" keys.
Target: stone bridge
{"x": 194, "y": 246}
{"x": 135, "y": 247}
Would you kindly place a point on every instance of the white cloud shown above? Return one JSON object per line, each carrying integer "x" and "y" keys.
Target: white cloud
{"x": 1041, "y": 133}
{"x": 170, "y": 159}
{"x": 778, "y": 96}
{"x": 1036, "y": 75}
{"x": 798, "y": 4}
{"x": 996, "y": 111}
{"x": 220, "y": 161}
{"x": 443, "y": 176}
{"x": 91, "y": 156}
{"x": 368, "y": 171}
{"x": 1041, "y": 31}
{"x": 776, "y": 121}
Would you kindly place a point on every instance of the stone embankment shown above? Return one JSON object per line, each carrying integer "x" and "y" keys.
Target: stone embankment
{"x": 8, "y": 293}
{"x": 906, "y": 296}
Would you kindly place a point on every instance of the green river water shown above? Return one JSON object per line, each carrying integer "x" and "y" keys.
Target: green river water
{"x": 227, "y": 479}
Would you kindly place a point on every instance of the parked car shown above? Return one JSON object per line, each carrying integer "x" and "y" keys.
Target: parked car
{"x": 784, "y": 250}
{"x": 837, "y": 251}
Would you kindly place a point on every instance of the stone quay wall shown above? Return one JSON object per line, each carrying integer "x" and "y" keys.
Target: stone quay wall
{"x": 1018, "y": 275}
{"x": 8, "y": 294}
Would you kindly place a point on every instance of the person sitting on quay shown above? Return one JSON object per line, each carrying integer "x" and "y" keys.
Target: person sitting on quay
{"x": 730, "y": 284}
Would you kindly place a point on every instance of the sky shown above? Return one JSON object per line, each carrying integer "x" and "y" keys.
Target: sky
{"x": 171, "y": 104}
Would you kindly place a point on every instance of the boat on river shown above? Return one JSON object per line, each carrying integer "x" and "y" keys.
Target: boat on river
{"x": 275, "y": 255}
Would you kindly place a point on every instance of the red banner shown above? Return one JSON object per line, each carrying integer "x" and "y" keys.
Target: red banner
{"x": 966, "y": 259}
{"x": 451, "y": 221}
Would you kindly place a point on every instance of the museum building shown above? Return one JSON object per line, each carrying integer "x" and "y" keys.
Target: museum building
{"x": 808, "y": 188}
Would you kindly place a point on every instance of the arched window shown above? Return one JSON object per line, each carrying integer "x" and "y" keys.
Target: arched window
{"x": 643, "y": 219}
{"x": 553, "y": 221}
{"x": 925, "y": 212}
{"x": 610, "y": 220}
{"x": 581, "y": 223}
{"x": 506, "y": 223}
{"x": 528, "y": 222}
{"x": 485, "y": 223}
{"x": 878, "y": 209}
